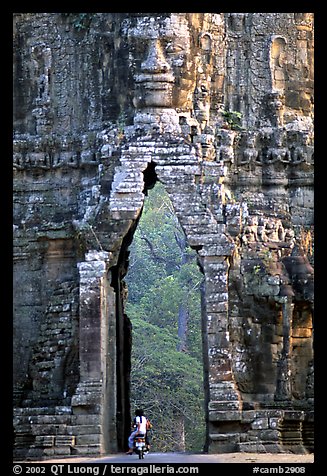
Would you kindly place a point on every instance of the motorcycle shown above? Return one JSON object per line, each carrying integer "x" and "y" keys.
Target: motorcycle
{"x": 140, "y": 447}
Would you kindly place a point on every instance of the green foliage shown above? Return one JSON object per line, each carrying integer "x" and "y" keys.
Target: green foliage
{"x": 164, "y": 280}
{"x": 233, "y": 119}
{"x": 155, "y": 253}
{"x": 167, "y": 384}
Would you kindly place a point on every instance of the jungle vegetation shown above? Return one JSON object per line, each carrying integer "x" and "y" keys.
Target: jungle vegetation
{"x": 164, "y": 306}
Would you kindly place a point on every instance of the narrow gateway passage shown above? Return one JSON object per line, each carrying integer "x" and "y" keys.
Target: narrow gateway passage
{"x": 164, "y": 306}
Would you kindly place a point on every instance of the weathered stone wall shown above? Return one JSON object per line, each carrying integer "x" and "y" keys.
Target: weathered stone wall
{"x": 217, "y": 107}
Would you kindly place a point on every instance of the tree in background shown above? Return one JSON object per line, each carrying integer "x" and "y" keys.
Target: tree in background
{"x": 164, "y": 307}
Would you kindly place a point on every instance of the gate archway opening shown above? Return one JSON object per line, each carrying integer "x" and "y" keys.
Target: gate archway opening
{"x": 164, "y": 306}
{"x": 173, "y": 375}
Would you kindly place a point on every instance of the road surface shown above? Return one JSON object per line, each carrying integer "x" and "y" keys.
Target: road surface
{"x": 181, "y": 458}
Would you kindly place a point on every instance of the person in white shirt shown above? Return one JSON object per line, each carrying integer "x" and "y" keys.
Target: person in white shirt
{"x": 140, "y": 424}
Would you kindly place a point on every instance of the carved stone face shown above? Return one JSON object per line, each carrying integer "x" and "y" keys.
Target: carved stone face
{"x": 162, "y": 61}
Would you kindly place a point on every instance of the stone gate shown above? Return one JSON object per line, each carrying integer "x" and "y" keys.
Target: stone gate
{"x": 218, "y": 108}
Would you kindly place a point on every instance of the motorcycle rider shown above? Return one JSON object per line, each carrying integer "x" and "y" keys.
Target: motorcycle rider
{"x": 141, "y": 423}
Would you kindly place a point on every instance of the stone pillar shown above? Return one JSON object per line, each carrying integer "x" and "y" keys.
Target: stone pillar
{"x": 92, "y": 308}
{"x": 90, "y": 400}
{"x": 224, "y": 405}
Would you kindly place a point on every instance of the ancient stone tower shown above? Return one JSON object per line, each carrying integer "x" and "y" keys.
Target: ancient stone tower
{"x": 218, "y": 107}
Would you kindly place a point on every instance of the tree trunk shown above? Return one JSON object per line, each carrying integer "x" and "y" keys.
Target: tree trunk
{"x": 178, "y": 433}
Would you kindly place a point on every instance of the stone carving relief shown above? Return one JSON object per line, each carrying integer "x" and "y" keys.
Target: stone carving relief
{"x": 166, "y": 73}
{"x": 202, "y": 105}
{"x": 180, "y": 73}
{"x": 278, "y": 152}
{"x": 237, "y": 21}
{"x": 277, "y": 145}
{"x": 265, "y": 230}
{"x": 276, "y": 106}
{"x": 304, "y": 21}
{"x": 66, "y": 155}
{"x": 225, "y": 146}
{"x": 38, "y": 157}
{"x": 250, "y": 153}
{"x": 277, "y": 62}
{"x": 50, "y": 152}
{"x": 301, "y": 147}
{"x": 89, "y": 155}
{"x": 18, "y": 154}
